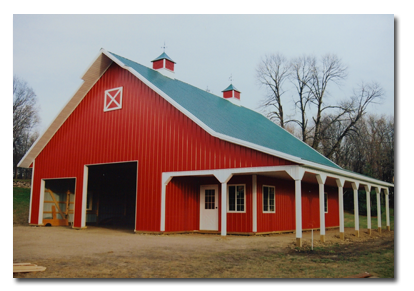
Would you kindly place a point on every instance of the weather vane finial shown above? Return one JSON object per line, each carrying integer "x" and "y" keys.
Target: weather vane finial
{"x": 231, "y": 78}
{"x": 164, "y": 47}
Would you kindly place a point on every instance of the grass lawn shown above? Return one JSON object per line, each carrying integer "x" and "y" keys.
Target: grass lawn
{"x": 21, "y": 201}
{"x": 349, "y": 220}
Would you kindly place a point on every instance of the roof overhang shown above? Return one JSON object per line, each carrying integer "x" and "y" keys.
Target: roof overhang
{"x": 98, "y": 68}
{"x": 90, "y": 77}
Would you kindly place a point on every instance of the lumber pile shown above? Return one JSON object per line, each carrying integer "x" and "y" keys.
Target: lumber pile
{"x": 27, "y": 267}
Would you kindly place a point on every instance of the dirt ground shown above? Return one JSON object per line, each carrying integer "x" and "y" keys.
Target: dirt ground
{"x": 98, "y": 252}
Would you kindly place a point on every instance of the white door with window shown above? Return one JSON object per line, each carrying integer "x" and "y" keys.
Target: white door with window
{"x": 209, "y": 207}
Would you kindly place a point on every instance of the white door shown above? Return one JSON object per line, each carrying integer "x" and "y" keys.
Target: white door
{"x": 209, "y": 207}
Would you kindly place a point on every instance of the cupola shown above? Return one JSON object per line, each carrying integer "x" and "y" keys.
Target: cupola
{"x": 165, "y": 65}
{"x": 231, "y": 94}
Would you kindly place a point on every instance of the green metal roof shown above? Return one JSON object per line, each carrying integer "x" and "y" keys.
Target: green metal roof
{"x": 229, "y": 119}
{"x": 230, "y": 88}
{"x": 163, "y": 56}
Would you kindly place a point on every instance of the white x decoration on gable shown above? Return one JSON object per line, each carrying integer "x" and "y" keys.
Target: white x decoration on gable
{"x": 113, "y": 99}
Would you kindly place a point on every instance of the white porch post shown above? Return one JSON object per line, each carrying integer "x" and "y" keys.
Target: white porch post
{"x": 223, "y": 178}
{"x": 297, "y": 174}
{"x": 298, "y": 210}
{"x": 165, "y": 180}
{"x": 224, "y": 209}
{"x": 321, "y": 181}
{"x": 378, "y": 192}
{"x": 340, "y": 183}
{"x": 387, "y": 208}
{"x": 254, "y": 191}
{"x": 368, "y": 191}
{"x": 355, "y": 186}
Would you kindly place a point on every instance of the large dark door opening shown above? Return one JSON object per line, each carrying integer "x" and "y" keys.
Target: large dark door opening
{"x": 112, "y": 195}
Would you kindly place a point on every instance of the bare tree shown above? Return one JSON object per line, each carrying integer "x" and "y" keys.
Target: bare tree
{"x": 272, "y": 72}
{"x": 301, "y": 76}
{"x": 25, "y": 118}
{"x": 350, "y": 112}
{"x": 331, "y": 71}
{"x": 323, "y": 124}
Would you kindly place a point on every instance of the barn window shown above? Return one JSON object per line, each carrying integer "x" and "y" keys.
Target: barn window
{"x": 326, "y": 202}
{"x": 113, "y": 99}
{"x": 236, "y": 198}
{"x": 268, "y": 199}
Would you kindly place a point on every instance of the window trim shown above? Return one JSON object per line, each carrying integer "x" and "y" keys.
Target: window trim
{"x": 274, "y": 198}
{"x": 228, "y": 198}
{"x": 325, "y": 201}
{"x": 107, "y": 94}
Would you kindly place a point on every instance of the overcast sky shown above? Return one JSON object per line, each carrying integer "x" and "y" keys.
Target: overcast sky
{"x": 51, "y": 52}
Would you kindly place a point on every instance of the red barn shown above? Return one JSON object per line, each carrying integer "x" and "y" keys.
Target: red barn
{"x": 137, "y": 147}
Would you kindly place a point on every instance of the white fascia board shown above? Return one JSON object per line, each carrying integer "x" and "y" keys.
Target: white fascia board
{"x": 61, "y": 117}
{"x": 47, "y": 134}
{"x": 339, "y": 173}
{"x": 166, "y": 176}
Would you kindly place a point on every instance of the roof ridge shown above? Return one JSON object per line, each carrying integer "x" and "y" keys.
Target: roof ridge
{"x": 188, "y": 84}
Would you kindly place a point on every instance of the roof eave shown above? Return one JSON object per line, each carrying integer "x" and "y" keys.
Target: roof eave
{"x": 90, "y": 77}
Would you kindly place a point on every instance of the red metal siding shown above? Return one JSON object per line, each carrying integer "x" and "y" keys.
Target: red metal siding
{"x": 169, "y": 65}
{"x": 332, "y": 217}
{"x": 310, "y": 206}
{"x": 227, "y": 94}
{"x": 147, "y": 129}
{"x": 284, "y": 216}
{"x": 183, "y": 200}
{"x": 242, "y": 222}
{"x": 158, "y": 64}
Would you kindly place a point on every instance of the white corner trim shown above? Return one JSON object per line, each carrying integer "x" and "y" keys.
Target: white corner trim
{"x": 31, "y": 192}
{"x": 84, "y": 195}
{"x": 41, "y": 201}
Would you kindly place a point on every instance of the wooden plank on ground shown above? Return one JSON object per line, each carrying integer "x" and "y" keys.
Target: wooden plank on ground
{"x": 360, "y": 275}
{"x": 27, "y": 267}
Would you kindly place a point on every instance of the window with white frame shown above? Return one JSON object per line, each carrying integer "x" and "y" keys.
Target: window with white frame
{"x": 236, "y": 198}
{"x": 325, "y": 196}
{"x": 268, "y": 199}
{"x": 113, "y": 99}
